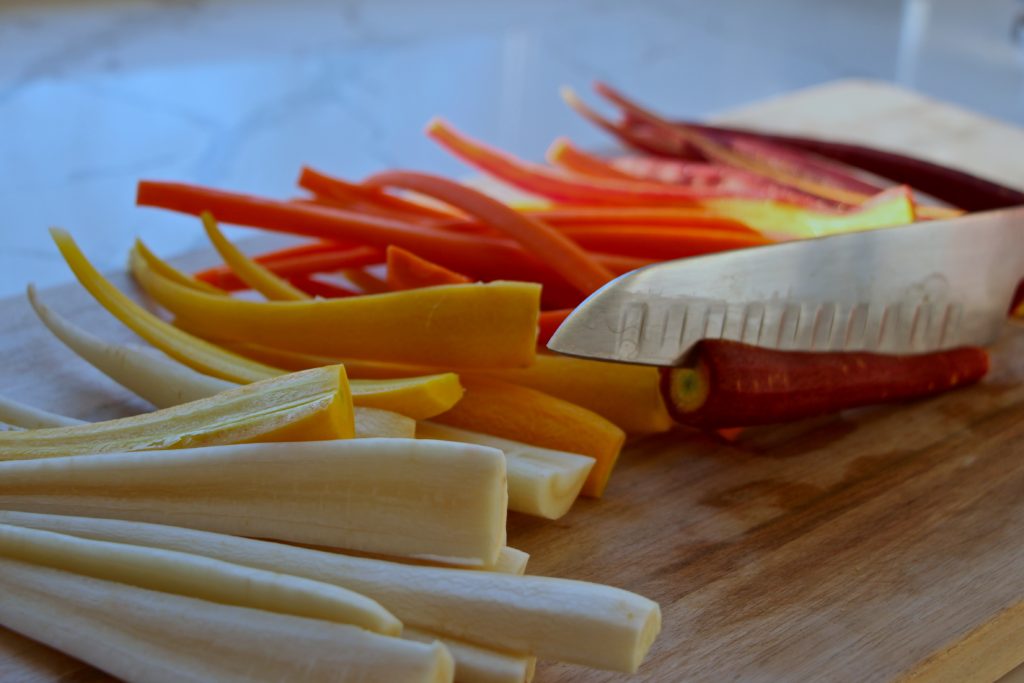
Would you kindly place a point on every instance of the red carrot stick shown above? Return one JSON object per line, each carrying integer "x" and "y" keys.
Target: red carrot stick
{"x": 564, "y": 257}
{"x": 729, "y": 384}
{"x": 406, "y": 270}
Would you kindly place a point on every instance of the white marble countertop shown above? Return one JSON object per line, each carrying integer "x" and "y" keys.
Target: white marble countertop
{"x": 240, "y": 93}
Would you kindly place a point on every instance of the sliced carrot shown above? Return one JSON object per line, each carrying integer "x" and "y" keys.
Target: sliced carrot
{"x": 564, "y": 154}
{"x": 316, "y": 287}
{"x": 367, "y": 282}
{"x": 530, "y": 416}
{"x": 889, "y": 208}
{"x": 558, "y": 252}
{"x": 255, "y": 275}
{"x": 722, "y": 153}
{"x": 196, "y": 353}
{"x": 322, "y": 260}
{"x": 612, "y": 216}
{"x": 362, "y": 206}
{"x": 556, "y": 184}
{"x": 549, "y": 322}
{"x": 628, "y": 395}
{"x": 169, "y": 271}
{"x": 336, "y": 188}
{"x": 406, "y": 270}
{"x": 475, "y": 255}
{"x": 662, "y": 243}
{"x": 485, "y": 325}
{"x": 683, "y": 217}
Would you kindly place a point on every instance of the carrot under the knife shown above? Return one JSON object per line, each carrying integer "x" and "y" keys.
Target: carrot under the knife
{"x": 729, "y": 384}
{"x": 549, "y": 322}
{"x": 561, "y": 254}
{"x": 564, "y": 154}
{"x": 406, "y": 270}
{"x": 661, "y": 243}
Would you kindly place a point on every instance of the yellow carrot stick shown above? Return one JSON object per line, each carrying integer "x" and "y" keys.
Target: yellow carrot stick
{"x": 248, "y": 271}
{"x": 172, "y": 273}
{"x": 418, "y": 398}
{"x": 476, "y": 325}
{"x": 198, "y": 354}
{"x": 628, "y": 395}
{"x": 310, "y": 405}
{"x": 530, "y": 416}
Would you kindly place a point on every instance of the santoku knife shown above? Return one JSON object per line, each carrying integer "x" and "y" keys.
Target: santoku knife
{"x": 911, "y": 289}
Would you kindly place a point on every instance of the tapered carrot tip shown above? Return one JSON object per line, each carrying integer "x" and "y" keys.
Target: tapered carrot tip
{"x": 435, "y": 124}
{"x": 736, "y": 385}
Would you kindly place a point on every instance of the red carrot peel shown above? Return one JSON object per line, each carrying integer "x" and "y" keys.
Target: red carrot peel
{"x": 951, "y": 185}
{"x": 729, "y": 384}
{"x": 715, "y": 151}
{"x": 563, "y": 256}
{"x": 406, "y": 270}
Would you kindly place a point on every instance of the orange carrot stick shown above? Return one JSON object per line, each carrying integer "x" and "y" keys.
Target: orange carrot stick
{"x": 661, "y": 243}
{"x": 624, "y": 215}
{"x": 367, "y": 282}
{"x": 564, "y": 257}
{"x": 549, "y": 322}
{"x": 333, "y": 187}
{"x": 406, "y": 270}
{"x": 476, "y": 255}
{"x": 322, "y": 261}
{"x": 564, "y": 154}
{"x": 554, "y": 183}
{"x": 320, "y": 288}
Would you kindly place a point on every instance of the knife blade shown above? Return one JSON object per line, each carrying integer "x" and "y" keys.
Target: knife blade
{"x": 910, "y": 289}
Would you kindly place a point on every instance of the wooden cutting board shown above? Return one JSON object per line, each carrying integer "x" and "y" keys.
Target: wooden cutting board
{"x": 886, "y": 544}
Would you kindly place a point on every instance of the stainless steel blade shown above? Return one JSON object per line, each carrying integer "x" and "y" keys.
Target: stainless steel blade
{"x": 910, "y": 289}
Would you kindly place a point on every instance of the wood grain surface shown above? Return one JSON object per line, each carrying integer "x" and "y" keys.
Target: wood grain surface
{"x": 881, "y": 545}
